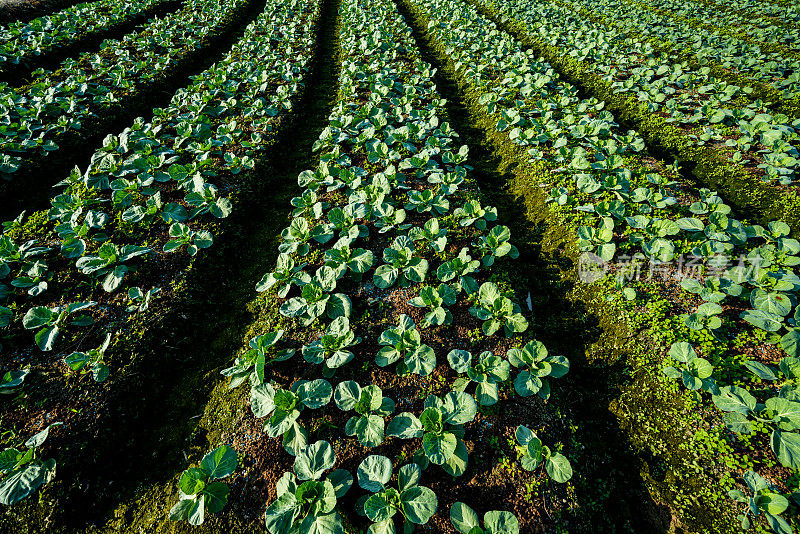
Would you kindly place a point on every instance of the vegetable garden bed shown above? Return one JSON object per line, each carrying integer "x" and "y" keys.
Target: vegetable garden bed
{"x": 427, "y": 265}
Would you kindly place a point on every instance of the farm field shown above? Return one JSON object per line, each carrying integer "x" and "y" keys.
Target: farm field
{"x": 351, "y": 266}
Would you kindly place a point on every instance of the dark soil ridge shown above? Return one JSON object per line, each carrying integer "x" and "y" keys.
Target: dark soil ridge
{"x": 148, "y": 420}
{"x": 25, "y": 10}
{"x": 21, "y": 74}
{"x": 32, "y": 188}
{"x": 570, "y": 327}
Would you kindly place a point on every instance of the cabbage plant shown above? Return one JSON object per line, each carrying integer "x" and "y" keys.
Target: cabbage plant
{"x": 472, "y": 213}
{"x": 305, "y": 501}
{"x": 497, "y": 310}
{"x": 402, "y": 265}
{"x": 695, "y": 373}
{"x": 284, "y": 406}
{"x": 466, "y": 521}
{"x": 495, "y": 244}
{"x": 403, "y": 344}
{"x": 91, "y": 362}
{"x": 110, "y": 263}
{"x": 331, "y": 347}
{"x": 440, "y": 425}
{"x": 370, "y": 405}
{"x": 23, "y": 472}
{"x": 458, "y": 272}
{"x": 534, "y": 453}
{"x": 50, "y": 321}
{"x": 536, "y": 365}
{"x": 763, "y": 499}
{"x": 414, "y": 503}
{"x": 487, "y": 370}
{"x": 779, "y": 415}
{"x": 436, "y": 299}
{"x": 200, "y": 488}
{"x": 316, "y": 299}
{"x": 252, "y": 364}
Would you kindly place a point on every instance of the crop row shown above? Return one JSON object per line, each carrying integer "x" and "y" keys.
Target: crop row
{"x": 774, "y": 77}
{"x": 140, "y": 211}
{"x": 710, "y": 112}
{"x": 390, "y": 267}
{"x": 21, "y": 42}
{"x": 629, "y": 213}
{"x": 91, "y": 87}
{"x": 712, "y": 163}
{"x": 786, "y": 15}
{"x": 776, "y": 37}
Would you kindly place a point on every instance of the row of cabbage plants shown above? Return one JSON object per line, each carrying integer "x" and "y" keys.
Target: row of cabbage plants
{"x": 91, "y": 86}
{"x": 783, "y": 38}
{"x": 773, "y": 76}
{"x": 624, "y": 206}
{"x": 22, "y": 41}
{"x": 787, "y": 15}
{"x": 389, "y": 259}
{"x": 140, "y": 211}
{"x": 709, "y": 112}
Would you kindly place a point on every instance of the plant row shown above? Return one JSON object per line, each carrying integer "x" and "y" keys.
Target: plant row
{"x": 388, "y": 259}
{"x": 140, "y": 211}
{"x": 22, "y": 41}
{"x": 782, "y": 38}
{"x": 762, "y": 74}
{"x": 86, "y": 89}
{"x": 786, "y": 15}
{"x": 708, "y": 111}
{"x": 711, "y": 165}
{"x": 744, "y": 287}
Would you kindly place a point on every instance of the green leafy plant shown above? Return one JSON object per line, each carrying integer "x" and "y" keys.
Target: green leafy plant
{"x": 495, "y": 245}
{"x": 779, "y": 414}
{"x": 402, "y": 265}
{"x": 536, "y": 364}
{"x": 180, "y": 234}
{"x": 403, "y": 343}
{"x": 416, "y": 504}
{"x": 50, "y": 321}
{"x": 706, "y": 316}
{"x": 201, "y": 489}
{"x": 466, "y": 521}
{"x": 91, "y": 362}
{"x": 440, "y": 425}
{"x": 695, "y": 372}
{"x": 330, "y": 348}
{"x": 598, "y": 240}
{"x": 487, "y": 370}
{"x": 24, "y": 472}
{"x": 109, "y": 263}
{"x": 534, "y": 453}
{"x": 472, "y": 213}
{"x": 286, "y": 274}
{"x": 309, "y": 506}
{"x": 252, "y": 364}
{"x": 141, "y": 299}
{"x": 284, "y": 406}
{"x": 11, "y": 380}
{"x": 316, "y": 299}
{"x": 343, "y": 259}
{"x": 371, "y": 407}
{"x": 436, "y": 299}
{"x": 458, "y": 270}
{"x": 431, "y": 235}
{"x": 762, "y": 500}
{"x": 496, "y": 311}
